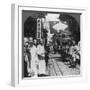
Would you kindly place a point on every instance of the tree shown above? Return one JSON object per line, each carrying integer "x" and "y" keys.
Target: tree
{"x": 74, "y": 27}
{"x": 30, "y": 27}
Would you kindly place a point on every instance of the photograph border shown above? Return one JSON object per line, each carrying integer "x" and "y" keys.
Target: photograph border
{"x": 16, "y": 41}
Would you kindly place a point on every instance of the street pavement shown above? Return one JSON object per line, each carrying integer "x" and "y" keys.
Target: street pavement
{"x": 58, "y": 68}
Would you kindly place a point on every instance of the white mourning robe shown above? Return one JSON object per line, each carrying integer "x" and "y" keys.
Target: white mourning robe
{"x": 42, "y": 64}
{"x": 34, "y": 60}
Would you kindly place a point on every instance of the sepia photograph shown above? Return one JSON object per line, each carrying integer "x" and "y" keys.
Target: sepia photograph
{"x": 50, "y": 44}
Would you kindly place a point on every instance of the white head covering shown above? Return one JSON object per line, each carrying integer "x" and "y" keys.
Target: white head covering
{"x": 25, "y": 39}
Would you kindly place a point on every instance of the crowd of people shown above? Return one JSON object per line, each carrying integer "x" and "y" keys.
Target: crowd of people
{"x": 69, "y": 51}
{"x": 65, "y": 42}
{"x": 34, "y": 57}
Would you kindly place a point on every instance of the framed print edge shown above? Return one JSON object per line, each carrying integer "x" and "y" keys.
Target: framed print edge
{"x": 16, "y": 49}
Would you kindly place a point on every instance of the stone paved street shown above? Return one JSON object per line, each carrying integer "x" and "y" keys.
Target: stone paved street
{"x": 58, "y": 68}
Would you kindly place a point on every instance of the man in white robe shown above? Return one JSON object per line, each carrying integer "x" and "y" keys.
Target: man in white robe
{"x": 34, "y": 60}
{"x": 41, "y": 54}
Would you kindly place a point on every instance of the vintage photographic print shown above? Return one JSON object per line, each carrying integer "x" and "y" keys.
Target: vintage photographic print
{"x": 50, "y": 43}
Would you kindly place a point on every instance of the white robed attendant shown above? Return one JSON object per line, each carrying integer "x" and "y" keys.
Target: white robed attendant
{"x": 74, "y": 53}
{"x": 42, "y": 64}
{"x": 34, "y": 60}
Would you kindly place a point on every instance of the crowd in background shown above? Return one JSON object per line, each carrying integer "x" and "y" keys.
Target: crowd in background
{"x": 69, "y": 51}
